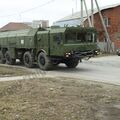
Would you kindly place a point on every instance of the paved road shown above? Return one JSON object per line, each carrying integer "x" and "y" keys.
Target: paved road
{"x": 101, "y": 69}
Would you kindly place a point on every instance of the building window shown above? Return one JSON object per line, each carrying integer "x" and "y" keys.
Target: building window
{"x": 107, "y": 21}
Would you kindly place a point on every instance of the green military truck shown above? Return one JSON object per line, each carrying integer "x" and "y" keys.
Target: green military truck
{"x": 48, "y": 47}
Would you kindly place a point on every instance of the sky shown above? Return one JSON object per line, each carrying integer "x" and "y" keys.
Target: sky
{"x": 52, "y": 10}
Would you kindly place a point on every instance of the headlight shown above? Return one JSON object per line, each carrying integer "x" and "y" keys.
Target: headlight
{"x": 118, "y": 50}
{"x": 96, "y": 52}
{"x": 67, "y": 54}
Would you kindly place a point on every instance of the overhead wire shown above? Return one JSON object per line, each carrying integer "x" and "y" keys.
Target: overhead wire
{"x": 42, "y": 5}
{"x": 28, "y": 10}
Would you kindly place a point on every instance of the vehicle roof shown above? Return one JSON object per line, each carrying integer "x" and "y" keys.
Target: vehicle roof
{"x": 58, "y": 30}
{"x": 81, "y": 29}
{"x": 67, "y": 29}
{"x": 25, "y": 32}
{"x": 32, "y": 31}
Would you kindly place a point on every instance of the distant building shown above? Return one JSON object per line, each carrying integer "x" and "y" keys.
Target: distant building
{"x": 38, "y": 23}
{"x": 28, "y": 23}
{"x": 111, "y": 16}
{"x": 14, "y": 26}
{"x": 25, "y": 25}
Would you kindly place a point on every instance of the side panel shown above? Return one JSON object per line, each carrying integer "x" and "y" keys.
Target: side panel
{"x": 12, "y": 52}
{"x": 22, "y": 38}
{"x": 56, "y": 44}
{"x": 3, "y": 41}
{"x": 11, "y": 41}
{"x": 25, "y": 42}
{"x": 43, "y": 41}
{"x": 18, "y": 42}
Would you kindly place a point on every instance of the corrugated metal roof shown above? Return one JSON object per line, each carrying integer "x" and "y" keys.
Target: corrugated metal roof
{"x": 78, "y": 14}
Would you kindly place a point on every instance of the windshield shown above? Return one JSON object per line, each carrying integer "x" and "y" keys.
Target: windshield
{"x": 77, "y": 37}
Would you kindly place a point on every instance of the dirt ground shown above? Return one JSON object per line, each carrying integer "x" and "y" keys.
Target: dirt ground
{"x": 59, "y": 99}
{"x": 6, "y": 71}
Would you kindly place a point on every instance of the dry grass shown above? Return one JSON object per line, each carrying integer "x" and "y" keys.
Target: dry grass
{"x": 12, "y": 71}
{"x": 58, "y": 99}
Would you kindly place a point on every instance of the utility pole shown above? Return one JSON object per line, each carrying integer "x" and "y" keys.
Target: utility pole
{"x": 92, "y": 13}
{"x": 82, "y": 22}
{"x": 90, "y": 24}
{"x": 91, "y": 21}
{"x": 105, "y": 29}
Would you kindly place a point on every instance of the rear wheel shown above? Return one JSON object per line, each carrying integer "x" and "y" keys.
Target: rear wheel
{"x": 72, "y": 63}
{"x": 44, "y": 62}
{"x": 9, "y": 59}
{"x": 2, "y": 59}
{"x": 27, "y": 59}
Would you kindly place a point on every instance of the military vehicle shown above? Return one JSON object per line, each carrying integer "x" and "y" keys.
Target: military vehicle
{"x": 48, "y": 47}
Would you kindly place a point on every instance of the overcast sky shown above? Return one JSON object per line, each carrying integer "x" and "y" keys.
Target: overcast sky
{"x": 52, "y": 10}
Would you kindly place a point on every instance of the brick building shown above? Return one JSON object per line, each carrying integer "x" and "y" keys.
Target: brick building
{"x": 111, "y": 16}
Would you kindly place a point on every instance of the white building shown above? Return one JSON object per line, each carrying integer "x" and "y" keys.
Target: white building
{"x": 38, "y": 23}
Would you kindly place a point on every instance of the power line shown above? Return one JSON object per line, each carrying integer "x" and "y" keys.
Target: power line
{"x": 10, "y": 15}
{"x": 28, "y": 10}
{"x": 42, "y": 5}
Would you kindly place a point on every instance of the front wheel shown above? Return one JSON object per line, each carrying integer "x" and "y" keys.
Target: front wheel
{"x": 72, "y": 63}
{"x": 44, "y": 62}
{"x": 27, "y": 59}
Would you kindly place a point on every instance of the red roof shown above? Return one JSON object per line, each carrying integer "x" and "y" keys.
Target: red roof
{"x": 14, "y": 26}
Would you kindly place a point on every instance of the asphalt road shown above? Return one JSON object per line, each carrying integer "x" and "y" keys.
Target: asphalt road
{"x": 102, "y": 69}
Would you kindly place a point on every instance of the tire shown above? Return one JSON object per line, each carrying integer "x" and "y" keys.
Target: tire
{"x": 9, "y": 59}
{"x": 44, "y": 62}
{"x": 27, "y": 59}
{"x": 2, "y": 59}
{"x": 72, "y": 63}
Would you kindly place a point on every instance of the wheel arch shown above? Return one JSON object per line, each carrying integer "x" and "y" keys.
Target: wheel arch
{"x": 42, "y": 50}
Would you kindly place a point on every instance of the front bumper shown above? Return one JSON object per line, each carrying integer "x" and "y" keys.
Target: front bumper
{"x": 118, "y": 52}
{"x": 82, "y": 54}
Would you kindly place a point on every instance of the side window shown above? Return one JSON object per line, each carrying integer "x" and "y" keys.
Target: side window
{"x": 81, "y": 37}
{"x": 57, "y": 38}
{"x": 106, "y": 21}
